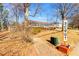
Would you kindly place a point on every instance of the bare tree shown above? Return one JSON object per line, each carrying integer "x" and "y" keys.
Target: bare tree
{"x": 3, "y": 17}
{"x": 27, "y": 28}
{"x": 66, "y": 10}
{"x": 17, "y": 9}
{"x": 75, "y": 21}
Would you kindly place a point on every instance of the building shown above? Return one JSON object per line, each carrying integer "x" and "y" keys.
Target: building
{"x": 44, "y": 24}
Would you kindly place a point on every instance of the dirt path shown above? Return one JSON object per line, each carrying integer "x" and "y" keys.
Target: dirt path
{"x": 72, "y": 38}
{"x": 45, "y": 49}
{"x": 40, "y": 47}
{"x": 75, "y": 51}
{"x": 18, "y": 48}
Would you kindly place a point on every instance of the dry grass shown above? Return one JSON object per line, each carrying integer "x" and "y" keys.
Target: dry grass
{"x": 36, "y": 30}
{"x": 72, "y": 36}
{"x": 16, "y": 45}
{"x": 13, "y": 47}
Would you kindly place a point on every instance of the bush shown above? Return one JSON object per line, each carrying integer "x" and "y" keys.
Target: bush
{"x": 36, "y": 30}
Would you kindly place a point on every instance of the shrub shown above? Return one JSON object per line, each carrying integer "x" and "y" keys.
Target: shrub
{"x": 36, "y": 30}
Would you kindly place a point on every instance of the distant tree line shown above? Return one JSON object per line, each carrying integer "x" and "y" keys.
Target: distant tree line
{"x": 74, "y": 23}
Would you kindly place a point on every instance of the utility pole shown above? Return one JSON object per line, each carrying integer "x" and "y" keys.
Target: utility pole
{"x": 65, "y": 25}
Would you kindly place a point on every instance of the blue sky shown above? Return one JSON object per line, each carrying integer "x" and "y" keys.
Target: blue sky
{"x": 46, "y": 13}
{"x": 8, "y": 6}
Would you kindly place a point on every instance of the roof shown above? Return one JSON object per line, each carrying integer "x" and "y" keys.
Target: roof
{"x": 38, "y": 22}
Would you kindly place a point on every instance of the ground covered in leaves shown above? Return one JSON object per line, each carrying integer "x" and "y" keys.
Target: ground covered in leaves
{"x": 39, "y": 47}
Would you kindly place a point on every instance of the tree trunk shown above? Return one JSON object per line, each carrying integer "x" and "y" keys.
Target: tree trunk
{"x": 17, "y": 18}
{"x": 62, "y": 24}
{"x": 64, "y": 18}
{"x": 2, "y": 27}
